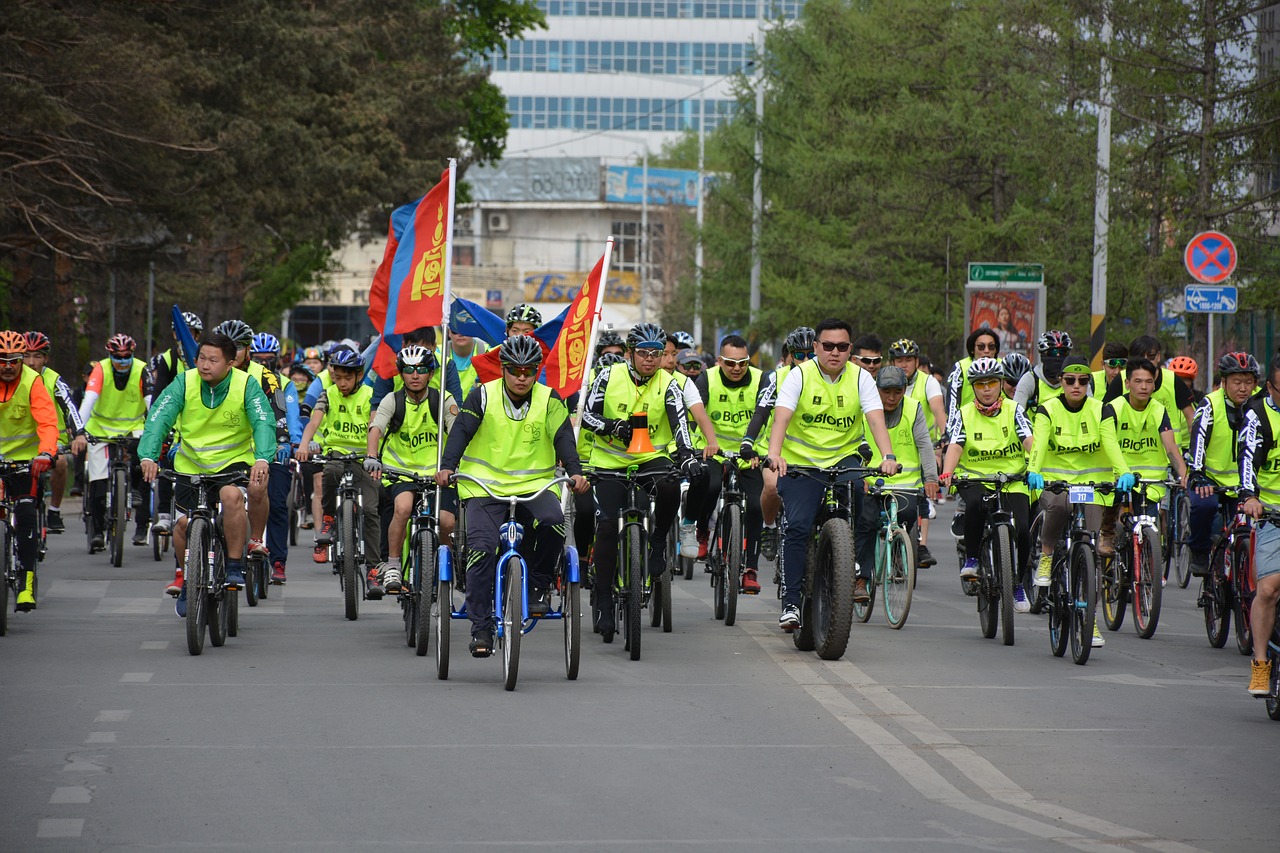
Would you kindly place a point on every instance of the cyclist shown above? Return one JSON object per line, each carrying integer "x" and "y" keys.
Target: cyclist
{"x": 114, "y": 406}
{"x": 1215, "y": 433}
{"x": 1044, "y": 382}
{"x": 823, "y": 410}
{"x": 163, "y": 368}
{"x": 904, "y": 354}
{"x": 404, "y": 434}
{"x": 1114, "y": 357}
{"x": 226, "y": 425}
{"x": 797, "y": 349}
{"x": 1069, "y": 444}
{"x": 868, "y": 352}
{"x": 424, "y": 337}
{"x": 981, "y": 343}
{"x": 519, "y": 428}
{"x": 907, "y": 421}
{"x": 1172, "y": 391}
{"x": 28, "y": 433}
{"x": 313, "y": 358}
{"x": 301, "y": 377}
{"x": 1015, "y": 366}
{"x": 1259, "y": 493}
{"x": 676, "y": 341}
{"x": 990, "y": 436}
{"x": 638, "y": 385}
{"x": 732, "y": 391}
{"x": 36, "y": 357}
{"x": 265, "y": 350}
{"x": 689, "y": 363}
{"x": 341, "y": 417}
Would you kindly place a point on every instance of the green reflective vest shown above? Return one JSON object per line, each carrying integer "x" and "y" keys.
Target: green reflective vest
{"x": 19, "y": 437}
{"x": 1074, "y": 449}
{"x": 698, "y": 440}
{"x": 992, "y": 445}
{"x": 621, "y": 399}
{"x": 415, "y": 445}
{"x": 1138, "y": 435}
{"x": 903, "y": 440}
{"x": 1222, "y": 455}
{"x": 1166, "y": 395}
{"x": 513, "y": 457}
{"x": 966, "y": 389}
{"x": 50, "y": 378}
{"x": 118, "y": 413}
{"x": 213, "y": 439}
{"x": 1268, "y": 470}
{"x": 1046, "y": 392}
{"x": 828, "y": 423}
{"x": 919, "y": 393}
{"x": 762, "y": 440}
{"x": 345, "y": 428}
{"x": 730, "y": 409}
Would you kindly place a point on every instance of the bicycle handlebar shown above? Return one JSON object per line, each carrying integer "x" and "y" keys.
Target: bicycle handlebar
{"x": 998, "y": 479}
{"x": 519, "y": 499}
{"x": 338, "y": 457}
{"x": 599, "y": 474}
{"x": 409, "y": 476}
{"x": 1060, "y": 486}
{"x": 234, "y": 478}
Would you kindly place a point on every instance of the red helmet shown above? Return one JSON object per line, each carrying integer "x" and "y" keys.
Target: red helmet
{"x": 121, "y": 346}
{"x": 12, "y": 343}
{"x": 37, "y": 342}
{"x": 1183, "y": 366}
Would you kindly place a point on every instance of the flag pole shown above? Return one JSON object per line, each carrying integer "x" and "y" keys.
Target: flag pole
{"x": 444, "y": 317}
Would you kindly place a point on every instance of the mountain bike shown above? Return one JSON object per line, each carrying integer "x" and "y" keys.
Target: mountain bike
{"x": 348, "y": 544}
{"x": 1073, "y": 590}
{"x": 725, "y": 558}
{"x": 894, "y": 569}
{"x": 418, "y": 557}
{"x": 1217, "y": 589}
{"x": 10, "y": 570}
{"x": 1273, "y": 644}
{"x": 119, "y": 510}
{"x": 996, "y": 559}
{"x": 299, "y": 504}
{"x": 1243, "y": 582}
{"x": 160, "y": 540}
{"x": 1177, "y": 535}
{"x": 1130, "y": 575}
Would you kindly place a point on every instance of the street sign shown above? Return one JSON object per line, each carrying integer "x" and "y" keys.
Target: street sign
{"x": 1211, "y": 299}
{"x": 1002, "y": 273}
{"x": 1210, "y": 257}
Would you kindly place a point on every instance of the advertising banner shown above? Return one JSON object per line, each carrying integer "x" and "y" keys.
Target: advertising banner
{"x": 625, "y": 184}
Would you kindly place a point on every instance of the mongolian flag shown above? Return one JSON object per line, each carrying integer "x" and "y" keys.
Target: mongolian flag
{"x": 569, "y": 357}
{"x": 410, "y": 286}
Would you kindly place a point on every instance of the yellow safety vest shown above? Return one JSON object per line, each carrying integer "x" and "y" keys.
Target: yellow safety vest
{"x": 415, "y": 445}
{"x": 118, "y": 413}
{"x": 1268, "y": 470}
{"x": 513, "y": 457}
{"x": 992, "y": 445}
{"x": 1222, "y": 455}
{"x": 19, "y": 436}
{"x": 213, "y": 439}
{"x": 621, "y": 399}
{"x": 1138, "y": 434}
{"x": 730, "y": 409}
{"x": 50, "y": 378}
{"x": 828, "y": 423}
{"x": 903, "y": 440}
{"x": 345, "y": 428}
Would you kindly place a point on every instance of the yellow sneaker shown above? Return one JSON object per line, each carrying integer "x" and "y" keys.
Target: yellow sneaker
{"x": 26, "y": 599}
{"x": 1098, "y": 641}
{"x": 1044, "y": 569}
{"x": 1260, "y": 679}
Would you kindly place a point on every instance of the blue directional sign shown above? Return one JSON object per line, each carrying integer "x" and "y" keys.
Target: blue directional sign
{"x": 1211, "y": 298}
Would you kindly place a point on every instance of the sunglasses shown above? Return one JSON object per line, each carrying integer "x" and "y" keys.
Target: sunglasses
{"x": 985, "y": 347}
{"x": 517, "y": 372}
{"x": 1116, "y": 362}
{"x": 841, "y": 346}
{"x": 649, "y": 354}
{"x": 423, "y": 368}
{"x": 870, "y": 359}
{"x": 734, "y": 362}
{"x": 1058, "y": 352}
{"x": 1070, "y": 379}
{"x": 986, "y": 383}
{"x": 11, "y": 359}
{"x": 693, "y": 366}
{"x": 801, "y": 354}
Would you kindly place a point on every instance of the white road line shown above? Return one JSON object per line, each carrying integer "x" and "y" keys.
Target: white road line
{"x": 137, "y": 677}
{"x": 71, "y": 794}
{"x": 101, "y": 737}
{"x": 60, "y": 828}
{"x": 158, "y": 645}
{"x": 112, "y": 716}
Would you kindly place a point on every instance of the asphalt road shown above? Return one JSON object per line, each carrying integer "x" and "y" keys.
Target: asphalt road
{"x": 309, "y": 732}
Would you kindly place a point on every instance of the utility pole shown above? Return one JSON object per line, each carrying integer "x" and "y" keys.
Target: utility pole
{"x": 697, "y": 251}
{"x": 1102, "y": 203}
{"x": 644, "y": 238}
{"x": 757, "y": 184}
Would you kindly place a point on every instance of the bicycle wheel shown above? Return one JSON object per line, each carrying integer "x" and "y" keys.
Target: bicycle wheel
{"x": 1058, "y": 603}
{"x": 899, "y": 579}
{"x": 1114, "y": 591}
{"x": 217, "y": 596}
{"x": 1242, "y": 593}
{"x": 157, "y": 546}
{"x": 7, "y": 558}
{"x": 1038, "y": 596}
{"x": 1002, "y": 554}
{"x": 988, "y": 609}
{"x": 512, "y": 620}
{"x": 635, "y": 588}
{"x": 424, "y": 587}
{"x": 197, "y": 572}
{"x": 251, "y": 580}
{"x": 732, "y": 563}
{"x": 1148, "y": 588}
{"x": 1180, "y": 546}
{"x": 1084, "y": 601}
{"x": 441, "y": 619}
{"x": 1214, "y": 598}
{"x": 118, "y": 520}
{"x": 833, "y": 590}
{"x": 802, "y": 637}
{"x": 657, "y": 597}
{"x": 1273, "y": 698}
{"x": 862, "y": 610}
{"x": 293, "y": 503}
{"x": 352, "y": 583}
{"x": 231, "y": 607}
{"x": 716, "y": 563}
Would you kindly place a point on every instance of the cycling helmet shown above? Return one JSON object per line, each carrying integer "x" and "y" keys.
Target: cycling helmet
{"x": 985, "y": 368}
{"x": 237, "y": 330}
{"x": 345, "y": 357}
{"x": 12, "y": 343}
{"x": 314, "y": 352}
{"x": 904, "y": 348}
{"x": 1016, "y": 366}
{"x": 415, "y": 356}
{"x": 646, "y": 335}
{"x": 194, "y": 323}
{"x": 1183, "y": 366}
{"x": 524, "y": 313}
{"x": 265, "y": 342}
{"x": 609, "y": 338}
{"x": 520, "y": 351}
{"x": 683, "y": 340}
{"x": 608, "y": 360}
{"x": 1053, "y": 340}
{"x": 37, "y": 342}
{"x": 1238, "y": 362}
{"x": 800, "y": 339}
{"x": 121, "y": 346}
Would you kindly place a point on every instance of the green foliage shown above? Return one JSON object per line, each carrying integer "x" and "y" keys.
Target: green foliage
{"x": 285, "y": 280}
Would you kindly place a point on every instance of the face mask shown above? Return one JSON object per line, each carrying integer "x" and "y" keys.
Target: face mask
{"x": 1052, "y": 366}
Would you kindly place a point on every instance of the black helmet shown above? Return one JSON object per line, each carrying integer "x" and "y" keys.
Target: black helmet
{"x": 1238, "y": 362}
{"x": 609, "y": 338}
{"x": 904, "y": 348}
{"x": 237, "y": 330}
{"x": 609, "y": 359}
{"x": 646, "y": 333}
{"x": 524, "y": 313}
{"x": 521, "y": 351}
{"x": 800, "y": 339}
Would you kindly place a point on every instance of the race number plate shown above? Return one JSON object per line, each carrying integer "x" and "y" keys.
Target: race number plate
{"x": 1080, "y": 494}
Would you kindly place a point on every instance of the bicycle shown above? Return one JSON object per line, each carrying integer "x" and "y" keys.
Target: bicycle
{"x": 348, "y": 545}
{"x": 299, "y": 504}
{"x": 418, "y": 557}
{"x": 510, "y": 592}
{"x": 1177, "y": 535}
{"x": 1242, "y": 582}
{"x": 725, "y": 558}
{"x": 119, "y": 510}
{"x": 1217, "y": 589}
{"x": 11, "y": 574}
{"x": 211, "y": 604}
{"x": 1273, "y": 644}
{"x": 894, "y": 568}
{"x": 994, "y": 585}
{"x": 1129, "y": 576}
{"x": 160, "y": 540}
{"x": 631, "y": 584}
{"x": 1073, "y": 591}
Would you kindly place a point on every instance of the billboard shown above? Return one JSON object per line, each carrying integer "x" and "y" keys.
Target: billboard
{"x": 625, "y": 184}
{"x": 1009, "y": 299}
{"x": 558, "y": 286}
{"x": 536, "y": 179}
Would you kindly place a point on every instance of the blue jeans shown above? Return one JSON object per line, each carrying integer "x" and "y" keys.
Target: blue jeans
{"x": 1204, "y": 521}
{"x": 279, "y": 480}
{"x": 801, "y": 498}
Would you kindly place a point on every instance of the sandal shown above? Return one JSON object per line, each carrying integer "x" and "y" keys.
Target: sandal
{"x": 482, "y": 644}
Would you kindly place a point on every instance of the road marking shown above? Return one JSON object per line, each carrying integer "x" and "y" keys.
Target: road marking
{"x": 78, "y": 764}
{"x": 77, "y": 589}
{"x": 112, "y": 716}
{"x": 70, "y": 795}
{"x": 128, "y": 607}
{"x": 60, "y": 828}
{"x": 158, "y": 645}
{"x": 137, "y": 677}
{"x": 101, "y": 737}
{"x": 1132, "y": 680}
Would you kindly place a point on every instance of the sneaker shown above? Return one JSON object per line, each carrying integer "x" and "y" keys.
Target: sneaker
{"x": 1044, "y": 569}
{"x": 969, "y": 571}
{"x": 175, "y": 586}
{"x": 1098, "y": 641}
{"x": 235, "y": 578}
{"x": 139, "y": 537}
{"x": 97, "y": 543}
{"x": 860, "y": 593}
{"x": 957, "y": 523}
{"x": 53, "y": 521}
{"x": 702, "y": 544}
{"x": 1260, "y": 678}
{"x": 180, "y": 605}
{"x": 482, "y": 644}
{"x": 163, "y": 523}
{"x": 321, "y": 553}
{"x": 26, "y": 600}
{"x": 1199, "y": 564}
{"x": 769, "y": 543}
{"x": 306, "y": 523}
{"x": 375, "y": 590}
{"x": 539, "y": 602}
{"x": 605, "y": 625}
{"x": 277, "y": 573}
{"x": 924, "y": 559}
{"x": 256, "y": 546}
{"x": 790, "y": 618}
{"x": 750, "y": 585}
{"x": 1020, "y": 603}
{"x": 688, "y": 537}
{"x": 325, "y": 536}
{"x": 391, "y": 580}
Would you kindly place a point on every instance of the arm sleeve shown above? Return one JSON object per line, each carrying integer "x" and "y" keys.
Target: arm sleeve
{"x": 1182, "y": 396}
{"x": 45, "y": 414}
{"x": 764, "y": 407}
{"x": 62, "y": 393}
{"x": 463, "y": 429}
{"x": 955, "y": 428}
{"x": 868, "y": 394}
{"x": 1022, "y": 393}
{"x": 314, "y": 392}
{"x": 678, "y": 416}
{"x": 593, "y": 413}
{"x": 1022, "y": 424}
{"x": 261, "y": 419}
{"x": 382, "y": 416}
{"x": 924, "y": 445}
{"x": 452, "y": 381}
{"x": 955, "y": 385}
{"x": 1202, "y": 426}
{"x": 161, "y": 418}
{"x": 293, "y": 413}
{"x": 1250, "y": 444}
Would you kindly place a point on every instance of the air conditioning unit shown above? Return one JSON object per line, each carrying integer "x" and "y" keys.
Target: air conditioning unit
{"x": 462, "y": 225}
{"x": 499, "y": 222}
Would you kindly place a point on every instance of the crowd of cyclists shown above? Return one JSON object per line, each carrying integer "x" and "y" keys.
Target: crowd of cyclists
{"x": 834, "y": 401}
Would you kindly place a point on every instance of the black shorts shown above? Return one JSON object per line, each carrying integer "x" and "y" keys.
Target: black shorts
{"x": 448, "y": 497}
{"x": 185, "y": 496}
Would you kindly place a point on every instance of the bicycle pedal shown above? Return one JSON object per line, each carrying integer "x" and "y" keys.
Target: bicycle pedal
{"x": 971, "y": 588}
{"x": 789, "y": 629}
{"x": 750, "y": 592}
